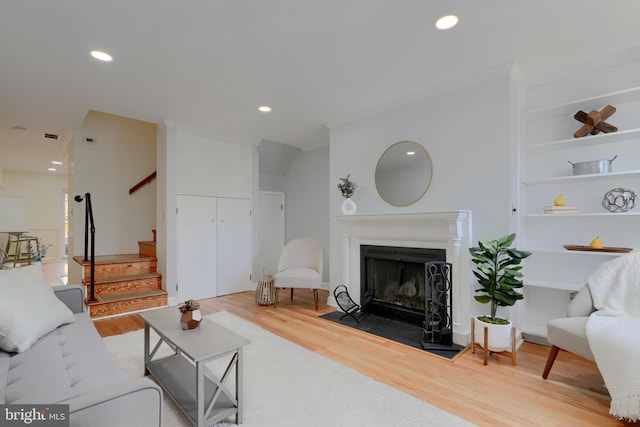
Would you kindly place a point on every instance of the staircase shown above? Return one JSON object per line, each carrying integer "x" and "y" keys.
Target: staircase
{"x": 124, "y": 283}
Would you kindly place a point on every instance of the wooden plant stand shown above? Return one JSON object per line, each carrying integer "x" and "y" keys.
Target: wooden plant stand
{"x": 485, "y": 348}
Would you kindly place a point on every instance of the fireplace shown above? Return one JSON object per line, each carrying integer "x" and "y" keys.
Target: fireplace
{"x": 393, "y": 281}
{"x": 449, "y": 231}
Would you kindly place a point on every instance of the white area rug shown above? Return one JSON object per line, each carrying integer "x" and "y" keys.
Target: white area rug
{"x": 288, "y": 385}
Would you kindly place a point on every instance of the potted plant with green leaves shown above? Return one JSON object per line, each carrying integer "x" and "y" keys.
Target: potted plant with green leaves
{"x": 347, "y": 189}
{"x": 499, "y": 274}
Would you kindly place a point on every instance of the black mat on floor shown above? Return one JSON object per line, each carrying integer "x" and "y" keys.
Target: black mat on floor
{"x": 395, "y": 330}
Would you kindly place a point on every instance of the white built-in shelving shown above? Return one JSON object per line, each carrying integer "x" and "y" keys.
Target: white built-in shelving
{"x": 546, "y": 150}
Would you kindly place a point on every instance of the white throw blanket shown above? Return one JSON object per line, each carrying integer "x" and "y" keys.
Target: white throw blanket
{"x": 613, "y": 331}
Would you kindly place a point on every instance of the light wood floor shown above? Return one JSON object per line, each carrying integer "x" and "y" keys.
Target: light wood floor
{"x": 493, "y": 395}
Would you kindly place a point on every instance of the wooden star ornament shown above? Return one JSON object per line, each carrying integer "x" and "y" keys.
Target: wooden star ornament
{"x": 594, "y": 122}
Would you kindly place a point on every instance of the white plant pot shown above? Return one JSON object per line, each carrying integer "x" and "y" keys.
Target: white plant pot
{"x": 499, "y": 336}
{"x": 348, "y": 207}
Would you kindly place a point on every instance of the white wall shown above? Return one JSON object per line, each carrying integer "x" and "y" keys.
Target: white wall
{"x": 209, "y": 167}
{"x": 200, "y": 165}
{"x": 270, "y": 182}
{"x": 466, "y": 130}
{"x": 166, "y": 205}
{"x": 124, "y": 153}
{"x": 43, "y": 193}
{"x": 307, "y": 201}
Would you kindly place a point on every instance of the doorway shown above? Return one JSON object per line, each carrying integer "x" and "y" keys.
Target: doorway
{"x": 270, "y": 232}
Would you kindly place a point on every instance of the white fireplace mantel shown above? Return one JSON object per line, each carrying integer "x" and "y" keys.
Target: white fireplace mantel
{"x": 449, "y": 230}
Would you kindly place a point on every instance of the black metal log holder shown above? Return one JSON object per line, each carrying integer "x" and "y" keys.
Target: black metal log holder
{"x": 438, "y": 323}
{"x": 88, "y": 224}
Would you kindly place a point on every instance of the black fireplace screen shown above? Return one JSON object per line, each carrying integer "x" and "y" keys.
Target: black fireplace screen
{"x": 438, "y": 319}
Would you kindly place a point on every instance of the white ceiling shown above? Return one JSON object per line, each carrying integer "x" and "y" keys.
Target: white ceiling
{"x": 208, "y": 64}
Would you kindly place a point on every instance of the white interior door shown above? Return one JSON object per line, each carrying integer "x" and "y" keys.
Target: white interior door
{"x": 270, "y": 232}
{"x": 196, "y": 241}
{"x": 234, "y": 245}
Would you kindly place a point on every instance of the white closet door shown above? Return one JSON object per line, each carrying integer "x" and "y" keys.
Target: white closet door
{"x": 196, "y": 239}
{"x": 234, "y": 245}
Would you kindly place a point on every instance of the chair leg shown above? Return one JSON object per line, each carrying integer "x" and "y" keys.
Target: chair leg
{"x": 315, "y": 298}
{"x": 486, "y": 345}
{"x": 553, "y": 353}
{"x": 291, "y": 294}
{"x": 473, "y": 336}
{"x": 275, "y": 301}
{"x": 513, "y": 346}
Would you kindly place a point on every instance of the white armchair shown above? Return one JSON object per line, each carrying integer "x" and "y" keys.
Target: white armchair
{"x": 569, "y": 333}
{"x": 300, "y": 266}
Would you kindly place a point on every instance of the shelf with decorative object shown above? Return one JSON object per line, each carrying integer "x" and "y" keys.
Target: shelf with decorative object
{"x": 583, "y": 215}
{"x": 617, "y": 97}
{"x": 560, "y": 250}
{"x": 602, "y": 138}
{"x": 582, "y": 178}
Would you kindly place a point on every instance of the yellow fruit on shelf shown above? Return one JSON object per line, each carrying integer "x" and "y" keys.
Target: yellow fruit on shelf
{"x": 596, "y": 243}
{"x": 559, "y": 201}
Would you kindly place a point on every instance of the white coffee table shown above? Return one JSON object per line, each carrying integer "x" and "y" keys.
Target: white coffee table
{"x": 200, "y": 394}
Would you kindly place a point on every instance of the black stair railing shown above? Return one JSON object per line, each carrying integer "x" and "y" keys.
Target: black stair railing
{"x": 88, "y": 224}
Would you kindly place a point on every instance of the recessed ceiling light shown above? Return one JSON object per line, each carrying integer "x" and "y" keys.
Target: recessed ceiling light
{"x": 102, "y": 56}
{"x": 446, "y": 22}
{"x": 264, "y": 109}
{"x": 56, "y": 162}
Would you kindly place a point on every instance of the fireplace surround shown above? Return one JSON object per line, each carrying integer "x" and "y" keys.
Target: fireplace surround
{"x": 449, "y": 231}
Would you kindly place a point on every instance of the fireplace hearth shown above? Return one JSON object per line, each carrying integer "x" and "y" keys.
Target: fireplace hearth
{"x": 394, "y": 281}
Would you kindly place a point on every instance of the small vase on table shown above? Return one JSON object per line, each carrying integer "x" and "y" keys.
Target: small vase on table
{"x": 191, "y": 315}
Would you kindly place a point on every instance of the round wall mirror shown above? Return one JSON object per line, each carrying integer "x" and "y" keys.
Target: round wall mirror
{"x": 403, "y": 173}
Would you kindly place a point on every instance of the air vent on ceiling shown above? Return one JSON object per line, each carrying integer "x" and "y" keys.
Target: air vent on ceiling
{"x": 51, "y": 136}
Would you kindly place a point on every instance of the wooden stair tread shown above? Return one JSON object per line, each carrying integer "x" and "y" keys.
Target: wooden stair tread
{"x": 147, "y": 248}
{"x": 124, "y": 283}
{"x": 114, "y": 279}
{"x": 114, "y": 298}
{"x": 113, "y": 259}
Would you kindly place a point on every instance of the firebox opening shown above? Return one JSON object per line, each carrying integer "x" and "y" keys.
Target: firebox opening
{"x": 393, "y": 279}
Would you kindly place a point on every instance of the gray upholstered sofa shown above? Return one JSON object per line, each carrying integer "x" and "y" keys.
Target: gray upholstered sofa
{"x": 71, "y": 365}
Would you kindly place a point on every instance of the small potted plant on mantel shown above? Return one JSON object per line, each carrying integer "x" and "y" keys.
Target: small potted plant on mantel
{"x": 499, "y": 274}
{"x": 347, "y": 188}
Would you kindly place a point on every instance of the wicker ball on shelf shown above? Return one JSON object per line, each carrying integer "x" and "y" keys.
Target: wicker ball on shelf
{"x": 619, "y": 200}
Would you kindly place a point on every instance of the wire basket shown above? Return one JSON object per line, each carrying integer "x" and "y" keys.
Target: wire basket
{"x": 265, "y": 291}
